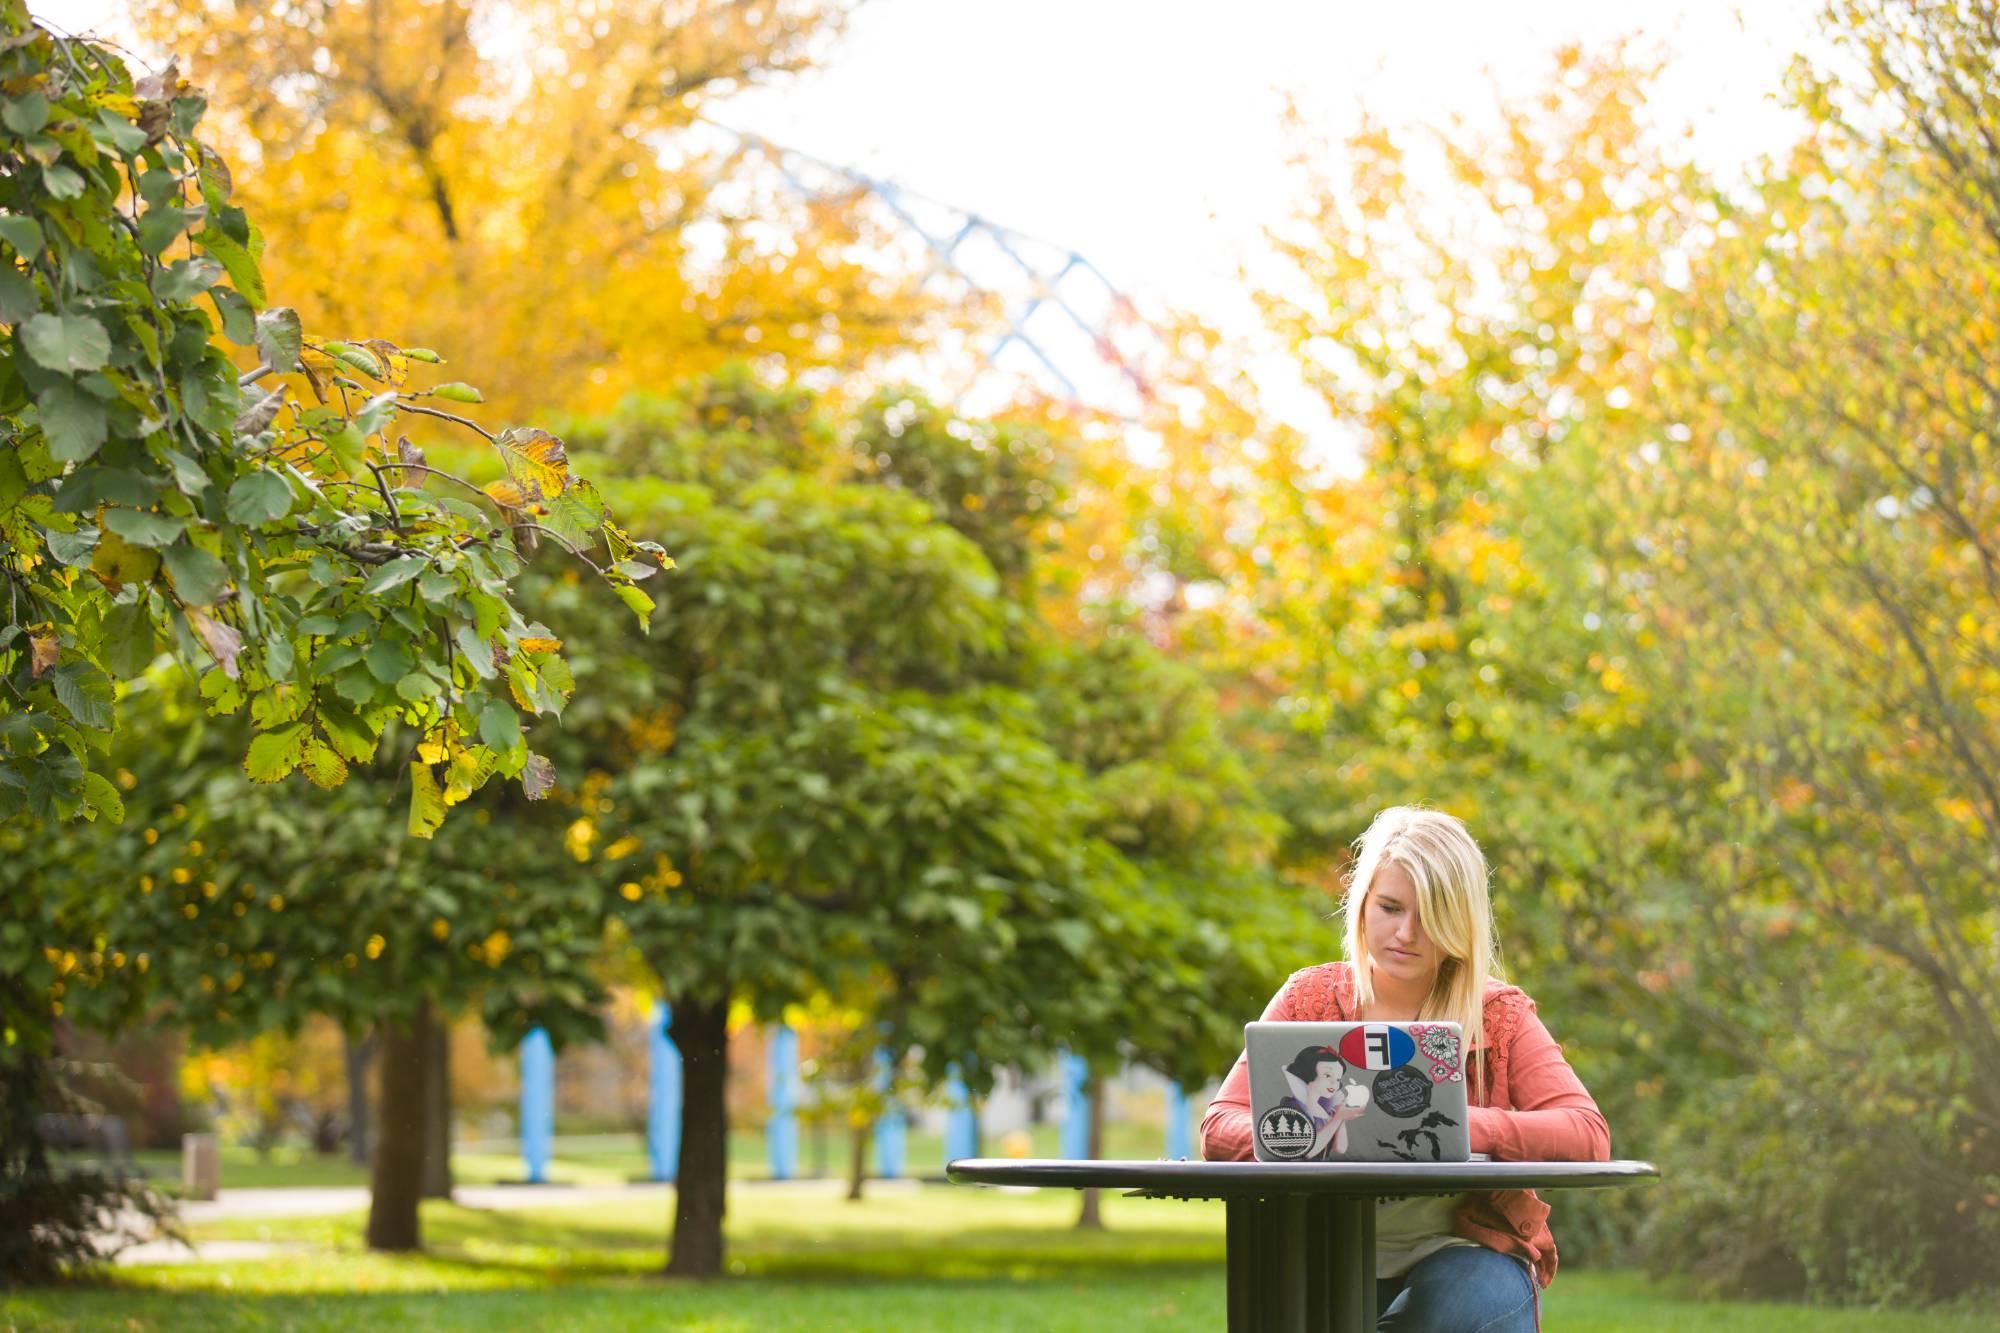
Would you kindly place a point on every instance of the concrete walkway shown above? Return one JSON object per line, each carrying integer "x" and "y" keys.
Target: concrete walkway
{"x": 332, "y": 1201}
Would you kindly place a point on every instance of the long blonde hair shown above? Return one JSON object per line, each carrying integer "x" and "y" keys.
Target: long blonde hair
{"x": 1449, "y": 872}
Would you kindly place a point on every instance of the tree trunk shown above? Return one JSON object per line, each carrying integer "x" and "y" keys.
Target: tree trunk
{"x": 437, "y": 1113}
{"x": 857, "y": 1161}
{"x": 701, "y": 1028}
{"x": 396, "y": 1181}
{"x": 1091, "y": 1216}
{"x": 360, "y": 1054}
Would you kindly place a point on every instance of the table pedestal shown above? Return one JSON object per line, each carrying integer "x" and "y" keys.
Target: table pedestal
{"x": 1302, "y": 1262}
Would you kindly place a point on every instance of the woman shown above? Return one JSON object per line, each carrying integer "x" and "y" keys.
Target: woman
{"x": 1420, "y": 947}
{"x": 1317, "y": 1088}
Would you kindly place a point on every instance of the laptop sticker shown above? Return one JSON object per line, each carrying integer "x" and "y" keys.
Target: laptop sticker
{"x": 1321, "y": 1098}
{"x": 1403, "y": 1093}
{"x": 1377, "y": 1046}
{"x": 1427, "y": 1132}
{"x": 1439, "y": 1047}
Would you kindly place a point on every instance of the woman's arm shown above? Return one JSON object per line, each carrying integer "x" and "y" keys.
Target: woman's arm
{"x": 1226, "y": 1129}
{"x": 1554, "y": 1118}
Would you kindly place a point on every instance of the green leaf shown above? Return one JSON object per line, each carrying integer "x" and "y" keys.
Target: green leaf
{"x": 357, "y": 686}
{"x": 101, "y": 798}
{"x": 347, "y": 733}
{"x": 395, "y": 574}
{"x": 74, "y": 422}
{"x": 478, "y": 653}
{"x": 500, "y": 725}
{"x": 417, "y": 687}
{"x": 24, "y": 234}
{"x": 455, "y": 392}
{"x": 279, "y": 657}
{"x": 322, "y": 766}
{"x": 239, "y": 320}
{"x": 185, "y": 279}
{"x": 273, "y": 754}
{"x": 143, "y": 527}
{"x": 426, "y": 801}
{"x": 259, "y": 497}
{"x": 388, "y": 660}
{"x": 198, "y": 577}
{"x": 236, "y": 261}
{"x": 18, "y": 298}
{"x": 66, "y": 343}
{"x": 86, "y": 692}
{"x": 126, "y": 139}
{"x": 315, "y": 625}
{"x": 71, "y": 548}
{"x": 423, "y": 354}
{"x": 223, "y": 694}
{"x": 355, "y": 358}
{"x": 642, "y": 605}
{"x": 279, "y": 338}
{"x": 128, "y": 640}
{"x": 160, "y": 227}
{"x": 62, "y": 182}
{"x": 26, "y": 114}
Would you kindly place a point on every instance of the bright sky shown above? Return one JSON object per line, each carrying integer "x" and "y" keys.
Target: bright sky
{"x": 1146, "y": 135}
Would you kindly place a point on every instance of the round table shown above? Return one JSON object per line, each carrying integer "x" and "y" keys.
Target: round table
{"x": 1301, "y": 1235}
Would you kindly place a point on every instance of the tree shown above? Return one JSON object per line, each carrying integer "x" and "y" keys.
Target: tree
{"x": 145, "y": 502}
{"x": 269, "y": 912}
{"x": 526, "y": 167}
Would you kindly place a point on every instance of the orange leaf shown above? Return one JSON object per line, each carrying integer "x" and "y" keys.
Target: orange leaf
{"x": 44, "y": 649}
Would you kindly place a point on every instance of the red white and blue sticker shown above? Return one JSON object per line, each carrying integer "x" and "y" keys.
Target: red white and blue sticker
{"x": 1377, "y": 1046}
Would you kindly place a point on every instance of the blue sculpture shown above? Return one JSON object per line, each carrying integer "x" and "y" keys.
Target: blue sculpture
{"x": 892, "y": 1127}
{"x": 961, "y": 1127}
{"x": 663, "y": 1111}
{"x": 1076, "y": 1127}
{"x": 781, "y": 1133}
{"x": 1179, "y": 1144}
{"x": 538, "y": 1104}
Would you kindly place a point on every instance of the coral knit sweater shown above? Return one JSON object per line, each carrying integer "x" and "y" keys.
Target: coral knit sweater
{"x": 1534, "y": 1109}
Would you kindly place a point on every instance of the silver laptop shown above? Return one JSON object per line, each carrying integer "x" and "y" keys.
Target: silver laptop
{"x": 1357, "y": 1092}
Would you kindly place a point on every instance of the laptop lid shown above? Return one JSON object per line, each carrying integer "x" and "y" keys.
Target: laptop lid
{"x": 1357, "y": 1092}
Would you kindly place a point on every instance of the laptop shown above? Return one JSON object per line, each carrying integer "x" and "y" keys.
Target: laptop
{"x": 1357, "y": 1092}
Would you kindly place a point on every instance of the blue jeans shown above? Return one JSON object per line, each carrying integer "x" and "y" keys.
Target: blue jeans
{"x": 1463, "y": 1289}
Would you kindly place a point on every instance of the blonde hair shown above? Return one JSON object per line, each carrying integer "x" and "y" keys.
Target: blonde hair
{"x": 1449, "y": 873}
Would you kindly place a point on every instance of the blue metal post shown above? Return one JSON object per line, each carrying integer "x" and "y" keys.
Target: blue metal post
{"x": 663, "y": 1110}
{"x": 892, "y": 1127}
{"x": 961, "y": 1128}
{"x": 538, "y": 1104}
{"x": 1179, "y": 1143}
{"x": 781, "y": 1133}
{"x": 1076, "y": 1126}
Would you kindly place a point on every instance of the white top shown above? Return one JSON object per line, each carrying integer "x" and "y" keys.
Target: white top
{"x": 1413, "y": 1229}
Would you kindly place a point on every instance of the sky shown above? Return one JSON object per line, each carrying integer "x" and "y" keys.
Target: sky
{"x": 1146, "y": 135}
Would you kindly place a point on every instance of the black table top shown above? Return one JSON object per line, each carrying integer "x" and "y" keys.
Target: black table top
{"x": 1219, "y": 1180}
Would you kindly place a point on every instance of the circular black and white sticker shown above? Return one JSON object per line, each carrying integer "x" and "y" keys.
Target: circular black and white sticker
{"x": 1285, "y": 1132}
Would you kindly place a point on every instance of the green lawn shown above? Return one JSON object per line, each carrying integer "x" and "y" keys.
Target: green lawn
{"x": 909, "y": 1258}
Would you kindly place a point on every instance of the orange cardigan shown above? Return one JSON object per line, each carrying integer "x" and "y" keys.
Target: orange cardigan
{"x": 1534, "y": 1108}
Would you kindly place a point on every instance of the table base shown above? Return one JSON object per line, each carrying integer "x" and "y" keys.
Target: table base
{"x": 1302, "y": 1262}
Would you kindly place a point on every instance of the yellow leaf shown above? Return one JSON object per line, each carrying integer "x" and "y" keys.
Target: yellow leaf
{"x": 508, "y": 495}
{"x": 536, "y": 643}
{"x": 535, "y": 460}
{"x": 426, "y": 801}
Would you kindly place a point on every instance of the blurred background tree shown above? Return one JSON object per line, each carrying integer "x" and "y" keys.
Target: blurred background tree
{"x": 536, "y": 177}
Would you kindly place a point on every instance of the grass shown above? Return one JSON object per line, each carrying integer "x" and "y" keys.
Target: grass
{"x": 905, "y": 1258}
